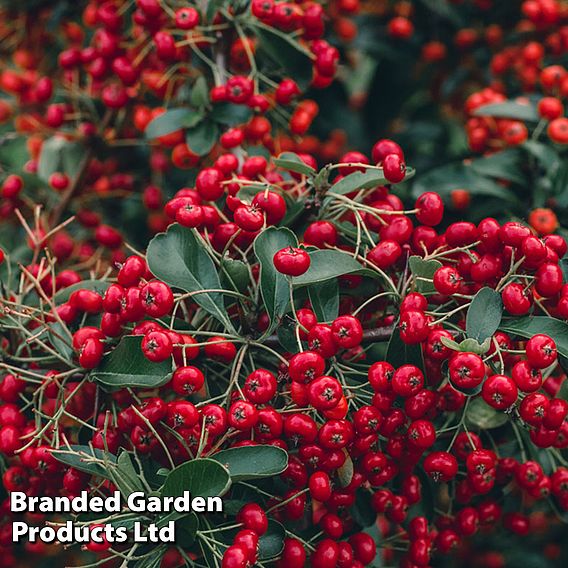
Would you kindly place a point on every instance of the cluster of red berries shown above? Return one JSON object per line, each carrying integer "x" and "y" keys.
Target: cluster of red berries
{"x": 398, "y": 423}
{"x": 363, "y": 368}
{"x": 135, "y": 61}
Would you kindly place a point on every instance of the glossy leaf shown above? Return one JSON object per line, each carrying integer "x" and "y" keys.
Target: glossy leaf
{"x": 293, "y": 163}
{"x": 271, "y": 543}
{"x": 505, "y": 165}
{"x": 201, "y": 477}
{"x": 363, "y": 513}
{"x": 179, "y": 258}
{"x": 60, "y": 155}
{"x": 399, "y": 353}
{"x": 286, "y": 333}
{"x": 509, "y": 109}
{"x": 363, "y": 180}
{"x": 81, "y": 458}
{"x": 532, "y": 325}
{"x": 60, "y": 340}
{"x": 327, "y": 264}
{"x": 99, "y": 286}
{"x": 324, "y": 298}
{"x": 483, "y": 416}
{"x": 171, "y": 121}
{"x": 484, "y": 315}
{"x": 424, "y": 270}
{"x": 459, "y": 176}
{"x": 285, "y": 52}
{"x": 235, "y": 273}
{"x": 126, "y": 476}
{"x": 201, "y": 138}
{"x": 273, "y": 285}
{"x": 125, "y": 366}
{"x": 231, "y": 114}
{"x": 345, "y": 472}
{"x": 251, "y": 462}
{"x": 199, "y": 94}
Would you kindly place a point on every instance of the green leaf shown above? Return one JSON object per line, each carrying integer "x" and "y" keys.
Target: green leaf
{"x": 286, "y": 52}
{"x": 294, "y": 210}
{"x": 324, "y": 297}
{"x": 559, "y": 179}
{"x": 483, "y": 416}
{"x": 509, "y": 109}
{"x": 236, "y": 273}
{"x": 563, "y": 392}
{"x": 63, "y": 295}
{"x": 201, "y": 138}
{"x": 502, "y": 165}
{"x": 345, "y": 472}
{"x": 484, "y": 315}
{"x": 532, "y": 325}
{"x": 327, "y": 264}
{"x": 399, "y": 353}
{"x": 60, "y": 340}
{"x": 252, "y": 462}
{"x": 152, "y": 559}
{"x": 357, "y": 181}
{"x": 363, "y": 513}
{"x": 546, "y": 155}
{"x": 293, "y": 163}
{"x": 450, "y": 344}
{"x": 171, "y": 121}
{"x": 126, "y": 366}
{"x": 126, "y": 477}
{"x": 421, "y": 268}
{"x": 273, "y": 285}
{"x": 127, "y": 521}
{"x": 179, "y": 258}
{"x": 287, "y": 334}
{"x": 230, "y": 114}
{"x": 271, "y": 543}
{"x": 14, "y": 154}
{"x": 364, "y": 180}
{"x": 460, "y": 176}
{"x": 201, "y": 477}
{"x": 564, "y": 266}
{"x": 186, "y": 528}
{"x": 81, "y": 458}
{"x": 199, "y": 94}
{"x": 444, "y": 9}
{"x": 60, "y": 155}
{"x": 468, "y": 345}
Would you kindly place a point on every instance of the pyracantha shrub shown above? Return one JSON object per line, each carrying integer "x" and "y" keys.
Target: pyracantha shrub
{"x": 362, "y": 360}
{"x": 205, "y": 288}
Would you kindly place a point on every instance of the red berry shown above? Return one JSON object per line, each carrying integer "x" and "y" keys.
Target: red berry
{"x": 292, "y": 261}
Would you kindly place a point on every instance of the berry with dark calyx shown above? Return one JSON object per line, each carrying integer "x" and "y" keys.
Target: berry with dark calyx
{"x": 292, "y": 261}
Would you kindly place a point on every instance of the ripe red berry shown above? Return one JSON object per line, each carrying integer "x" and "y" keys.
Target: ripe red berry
{"x": 467, "y": 370}
{"x": 541, "y": 351}
{"x": 252, "y": 517}
{"x": 157, "y": 299}
{"x": 394, "y": 168}
{"x": 441, "y": 466}
{"x": 447, "y": 280}
{"x": 347, "y": 331}
{"x": 292, "y": 261}
{"x": 157, "y": 346}
{"x": 499, "y": 391}
{"x": 407, "y": 380}
{"x": 430, "y": 209}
